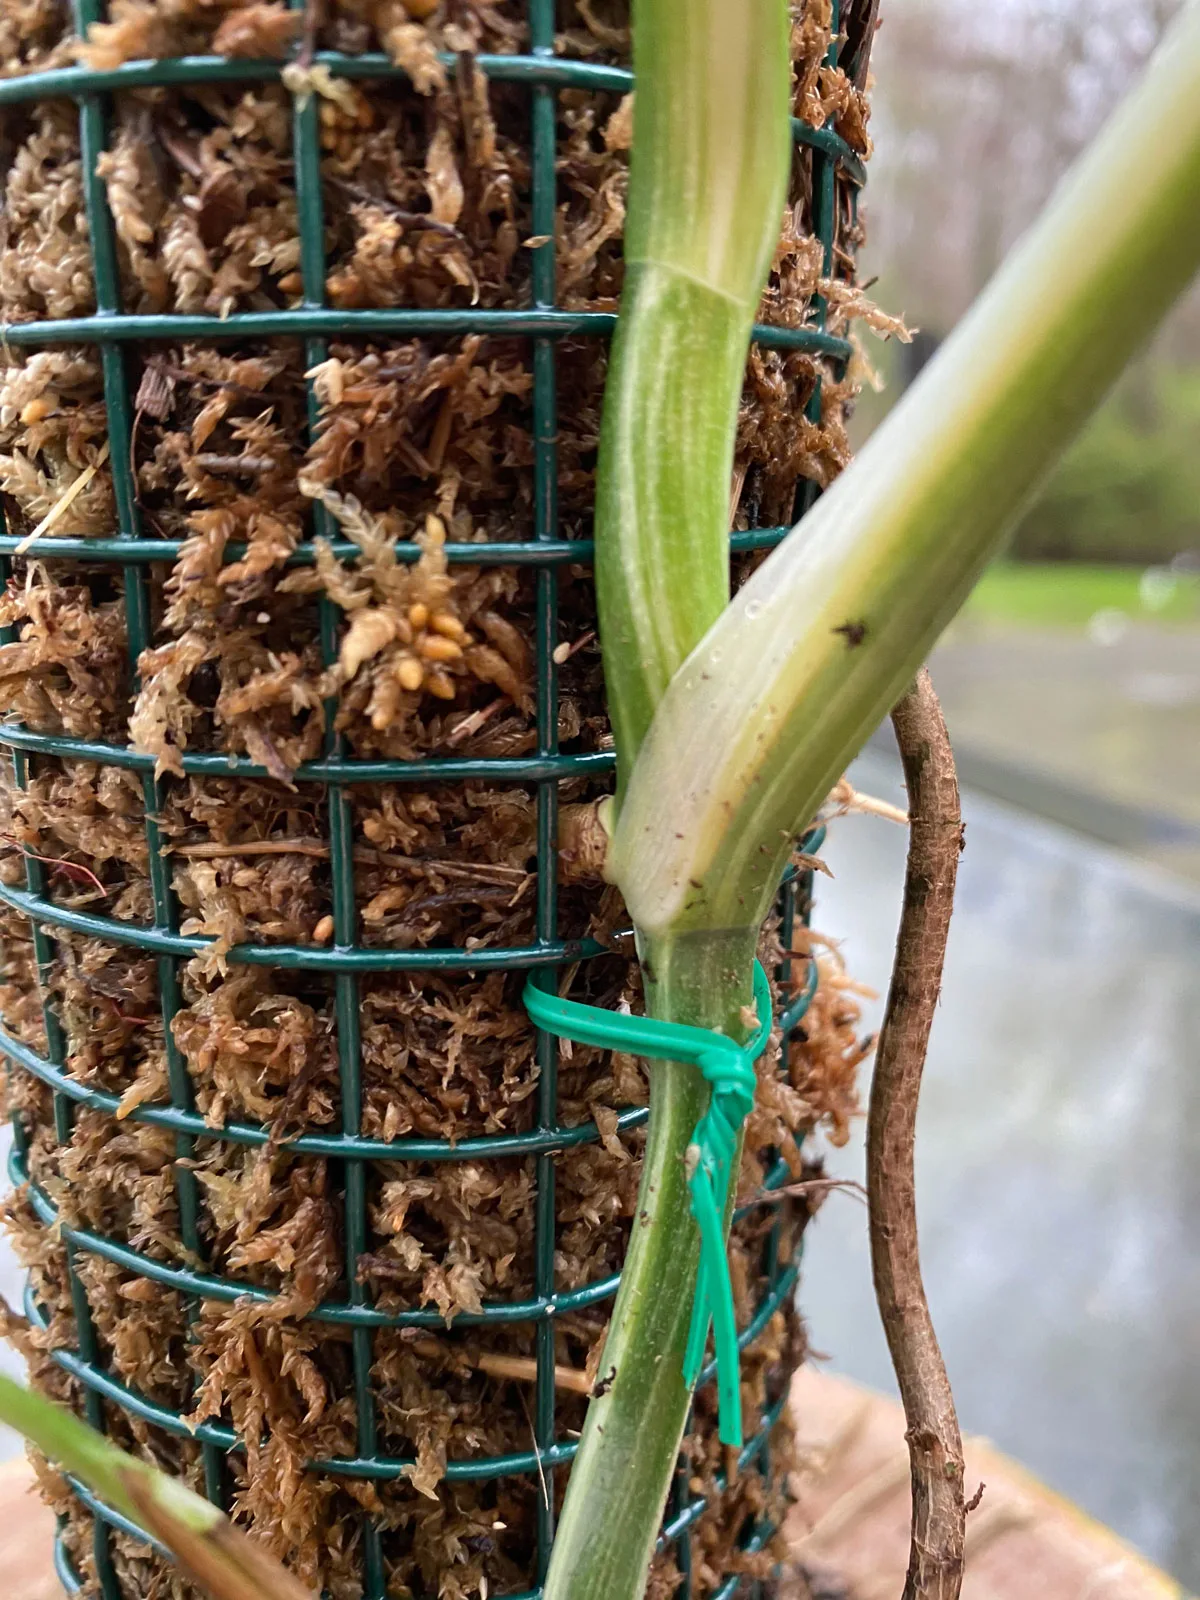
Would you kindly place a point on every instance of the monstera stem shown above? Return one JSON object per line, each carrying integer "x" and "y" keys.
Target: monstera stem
{"x": 707, "y": 188}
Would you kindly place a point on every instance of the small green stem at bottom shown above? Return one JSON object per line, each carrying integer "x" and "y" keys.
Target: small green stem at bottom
{"x": 631, "y": 1439}
{"x": 206, "y": 1547}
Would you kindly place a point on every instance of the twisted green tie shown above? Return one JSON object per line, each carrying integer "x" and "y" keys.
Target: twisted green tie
{"x": 729, "y": 1069}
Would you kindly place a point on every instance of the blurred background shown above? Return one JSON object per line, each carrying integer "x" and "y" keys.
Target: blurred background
{"x": 1058, "y": 1146}
{"x": 978, "y": 111}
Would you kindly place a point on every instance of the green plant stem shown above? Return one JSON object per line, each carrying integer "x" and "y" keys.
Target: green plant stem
{"x": 788, "y": 683}
{"x": 606, "y": 1537}
{"x": 208, "y": 1550}
{"x": 707, "y": 187}
{"x": 107, "y": 1470}
{"x": 666, "y": 447}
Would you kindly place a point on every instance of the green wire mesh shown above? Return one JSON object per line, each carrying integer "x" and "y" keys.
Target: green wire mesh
{"x": 543, "y": 73}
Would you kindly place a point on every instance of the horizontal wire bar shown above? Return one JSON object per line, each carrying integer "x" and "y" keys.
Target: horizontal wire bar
{"x": 304, "y": 958}
{"x": 347, "y": 1147}
{"x": 831, "y": 144}
{"x": 307, "y": 321}
{"x": 383, "y": 1469}
{"x": 343, "y": 1147}
{"x": 317, "y": 958}
{"x": 226, "y": 1290}
{"x": 214, "y": 764}
{"x": 508, "y": 553}
{"x": 426, "y": 770}
{"x": 209, "y": 1286}
{"x": 532, "y": 70}
{"x": 380, "y": 1468}
{"x": 556, "y": 72}
{"x": 114, "y": 1519}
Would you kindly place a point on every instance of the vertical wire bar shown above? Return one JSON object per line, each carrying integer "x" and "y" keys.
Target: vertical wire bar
{"x": 824, "y": 223}
{"x": 680, "y": 1496}
{"x": 311, "y": 220}
{"x": 64, "y": 1111}
{"x": 56, "y": 1052}
{"x": 139, "y": 632}
{"x": 783, "y": 977}
{"x": 545, "y": 510}
{"x": 90, "y": 125}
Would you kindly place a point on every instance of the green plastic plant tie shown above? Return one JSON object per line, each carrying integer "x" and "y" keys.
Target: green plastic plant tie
{"x": 729, "y": 1068}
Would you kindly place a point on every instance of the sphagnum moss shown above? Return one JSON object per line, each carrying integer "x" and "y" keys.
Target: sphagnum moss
{"x": 426, "y": 193}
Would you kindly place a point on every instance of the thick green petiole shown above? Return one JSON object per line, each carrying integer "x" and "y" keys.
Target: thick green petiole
{"x": 606, "y": 1537}
{"x": 666, "y": 443}
{"x": 707, "y": 187}
{"x": 815, "y": 648}
{"x": 706, "y": 192}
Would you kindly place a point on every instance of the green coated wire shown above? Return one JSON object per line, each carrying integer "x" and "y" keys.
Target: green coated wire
{"x": 729, "y": 1068}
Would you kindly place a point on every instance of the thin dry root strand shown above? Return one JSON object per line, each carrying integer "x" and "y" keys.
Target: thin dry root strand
{"x": 844, "y": 798}
{"x": 519, "y": 1369}
{"x": 935, "y": 1565}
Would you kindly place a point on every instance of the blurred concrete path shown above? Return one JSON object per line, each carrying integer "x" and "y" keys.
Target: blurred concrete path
{"x": 850, "y": 1525}
{"x": 26, "y": 1538}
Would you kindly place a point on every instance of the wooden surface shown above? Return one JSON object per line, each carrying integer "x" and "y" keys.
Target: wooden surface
{"x": 850, "y": 1522}
{"x": 26, "y": 1539}
{"x": 849, "y": 1526}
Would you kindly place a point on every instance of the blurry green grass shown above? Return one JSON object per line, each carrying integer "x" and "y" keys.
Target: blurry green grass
{"x": 1039, "y": 594}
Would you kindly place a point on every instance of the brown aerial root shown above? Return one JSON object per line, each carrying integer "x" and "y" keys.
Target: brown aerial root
{"x": 935, "y": 1565}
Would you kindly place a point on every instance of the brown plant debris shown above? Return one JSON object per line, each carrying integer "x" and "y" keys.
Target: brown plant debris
{"x": 935, "y": 1566}
{"x": 416, "y": 443}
